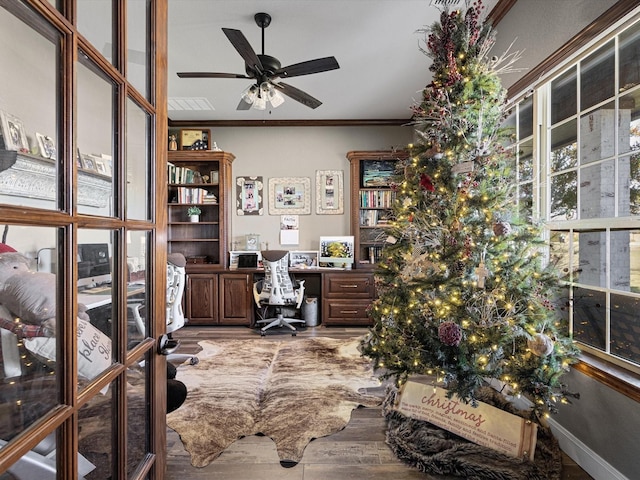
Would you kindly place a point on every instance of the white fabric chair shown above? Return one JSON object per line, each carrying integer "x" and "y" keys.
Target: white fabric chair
{"x": 277, "y": 291}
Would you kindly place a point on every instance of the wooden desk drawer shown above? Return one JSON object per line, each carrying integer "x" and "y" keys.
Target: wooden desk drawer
{"x": 346, "y": 312}
{"x": 348, "y": 285}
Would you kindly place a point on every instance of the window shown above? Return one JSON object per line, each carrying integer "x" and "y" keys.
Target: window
{"x": 590, "y": 189}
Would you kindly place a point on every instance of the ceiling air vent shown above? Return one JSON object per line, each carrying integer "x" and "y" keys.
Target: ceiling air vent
{"x": 189, "y": 103}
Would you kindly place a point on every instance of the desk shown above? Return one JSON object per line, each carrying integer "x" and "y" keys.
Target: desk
{"x": 225, "y": 297}
{"x": 100, "y": 296}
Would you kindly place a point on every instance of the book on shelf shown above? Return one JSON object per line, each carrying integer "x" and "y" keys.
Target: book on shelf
{"x": 373, "y": 218}
{"x": 375, "y": 253}
{"x": 192, "y": 195}
{"x": 179, "y": 175}
{"x": 376, "y": 198}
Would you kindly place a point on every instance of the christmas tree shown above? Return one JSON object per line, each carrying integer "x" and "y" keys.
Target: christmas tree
{"x": 464, "y": 291}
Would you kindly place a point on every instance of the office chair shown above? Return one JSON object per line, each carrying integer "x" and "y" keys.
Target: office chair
{"x": 176, "y": 278}
{"x": 277, "y": 291}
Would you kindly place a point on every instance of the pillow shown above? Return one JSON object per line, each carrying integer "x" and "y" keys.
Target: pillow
{"x": 94, "y": 349}
{"x": 30, "y": 296}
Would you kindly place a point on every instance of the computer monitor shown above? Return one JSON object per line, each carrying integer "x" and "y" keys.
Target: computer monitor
{"x": 336, "y": 251}
{"x": 94, "y": 264}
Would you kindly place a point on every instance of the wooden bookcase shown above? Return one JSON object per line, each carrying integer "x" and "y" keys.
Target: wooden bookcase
{"x": 371, "y": 200}
{"x": 193, "y": 182}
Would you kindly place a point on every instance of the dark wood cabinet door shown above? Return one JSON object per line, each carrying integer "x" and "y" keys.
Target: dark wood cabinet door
{"x": 235, "y": 299}
{"x": 201, "y": 295}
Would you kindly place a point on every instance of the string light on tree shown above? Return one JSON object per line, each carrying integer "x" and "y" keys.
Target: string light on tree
{"x": 464, "y": 275}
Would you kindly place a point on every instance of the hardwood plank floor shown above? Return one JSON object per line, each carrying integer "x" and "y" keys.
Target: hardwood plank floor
{"x": 358, "y": 452}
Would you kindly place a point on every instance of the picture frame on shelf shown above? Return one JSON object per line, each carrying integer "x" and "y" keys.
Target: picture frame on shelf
{"x": 46, "y": 146}
{"x": 377, "y": 173}
{"x": 101, "y": 167}
{"x": 194, "y": 139}
{"x": 303, "y": 259}
{"x": 252, "y": 242}
{"x": 336, "y": 251}
{"x": 249, "y": 195}
{"x": 13, "y": 133}
{"x": 89, "y": 162}
{"x": 329, "y": 192}
{"x": 289, "y": 195}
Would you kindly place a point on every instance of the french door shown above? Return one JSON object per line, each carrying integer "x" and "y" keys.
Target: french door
{"x": 82, "y": 216}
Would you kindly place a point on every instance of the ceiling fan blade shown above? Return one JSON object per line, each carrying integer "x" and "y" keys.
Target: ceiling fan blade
{"x": 243, "y": 105}
{"x": 242, "y": 45}
{"x": 210, "y": 75}
{"x": 310, "y": 66}
{"x": 298, "y": 95}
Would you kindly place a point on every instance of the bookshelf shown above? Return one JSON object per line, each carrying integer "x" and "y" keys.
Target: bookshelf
{"x": 371, "y": 201}
{"x": 199, "y": 179}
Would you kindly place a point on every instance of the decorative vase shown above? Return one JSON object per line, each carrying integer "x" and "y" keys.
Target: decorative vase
{"x": 194, "y": 218}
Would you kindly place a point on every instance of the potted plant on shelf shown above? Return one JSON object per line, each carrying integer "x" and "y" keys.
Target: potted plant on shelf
{"x": 194, "y": 214}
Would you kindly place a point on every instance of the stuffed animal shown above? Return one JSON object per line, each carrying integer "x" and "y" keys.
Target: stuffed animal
{"x": 29, "y": 295}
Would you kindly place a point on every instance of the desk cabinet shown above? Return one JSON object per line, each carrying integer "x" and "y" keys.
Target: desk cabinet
{"x": 201, "y": 298}
{"x": 236, "y": 299}
{"x": 219, "y": 299}
{"x": 346, "y": 297}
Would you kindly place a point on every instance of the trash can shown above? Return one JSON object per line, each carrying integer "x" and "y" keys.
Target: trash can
{"x": 310, "y": 311}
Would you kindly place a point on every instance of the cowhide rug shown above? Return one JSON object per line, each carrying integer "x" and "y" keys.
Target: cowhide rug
{"x": 291, "y": 391}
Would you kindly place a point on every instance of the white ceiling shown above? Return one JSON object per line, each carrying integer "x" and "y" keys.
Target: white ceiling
{"x": 376, "y": 43}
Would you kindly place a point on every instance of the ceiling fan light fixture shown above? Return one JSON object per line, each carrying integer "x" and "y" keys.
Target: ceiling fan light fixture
{"x": 260, "y": 103}
{"x": 276, "y": 98}
{"x": 250, "y": 94}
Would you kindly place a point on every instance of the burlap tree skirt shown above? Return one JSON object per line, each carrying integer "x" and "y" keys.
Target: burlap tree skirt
{"x": 438, "y": 452}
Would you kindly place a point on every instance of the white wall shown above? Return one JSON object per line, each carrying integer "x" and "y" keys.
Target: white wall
{"x": 299, "y": 152}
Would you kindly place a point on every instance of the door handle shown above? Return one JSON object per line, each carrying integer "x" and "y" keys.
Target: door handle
{"x": 166, "y": 345}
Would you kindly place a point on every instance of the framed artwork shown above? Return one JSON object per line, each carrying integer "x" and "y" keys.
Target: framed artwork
{"x": 101, "y": 167}
{"x": 289, "y": 195}
{"x": 329, "y": 192}
{"x": 191, "y": 139}
{"x": 89, "y": 162}
{"x": 13, "y": 134}
{"x": 249, "y": 195}
{"x": 46, "y": 146}
{"x": 377, "y": 173}
{"x": 252, "y": 241}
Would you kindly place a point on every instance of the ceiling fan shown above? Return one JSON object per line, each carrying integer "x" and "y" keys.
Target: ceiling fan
{"x": 267, "y": 72}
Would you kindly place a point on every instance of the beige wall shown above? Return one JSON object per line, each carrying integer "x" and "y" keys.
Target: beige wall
{"x": 299, "y": 152}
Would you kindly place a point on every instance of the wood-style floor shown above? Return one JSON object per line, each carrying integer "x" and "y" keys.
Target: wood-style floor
{"x": 358, "y": 452}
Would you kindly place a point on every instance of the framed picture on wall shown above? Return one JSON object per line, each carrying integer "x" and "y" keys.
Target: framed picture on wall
{"x": 249, "y": 195}
{"x": 329, "y": 192}
{"x": 13, "y": 133}
{"x": 289, "y": 195}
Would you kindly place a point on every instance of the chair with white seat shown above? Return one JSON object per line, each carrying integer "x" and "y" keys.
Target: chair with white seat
{"x": 175, "y": 319}
{"x": 277, "y": 291}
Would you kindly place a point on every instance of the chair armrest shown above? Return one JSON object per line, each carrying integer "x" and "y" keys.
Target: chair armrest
{"x": 300, "y": 293}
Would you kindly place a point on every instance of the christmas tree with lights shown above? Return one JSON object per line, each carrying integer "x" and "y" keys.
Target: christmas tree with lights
{"x": 464, "y": 291}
